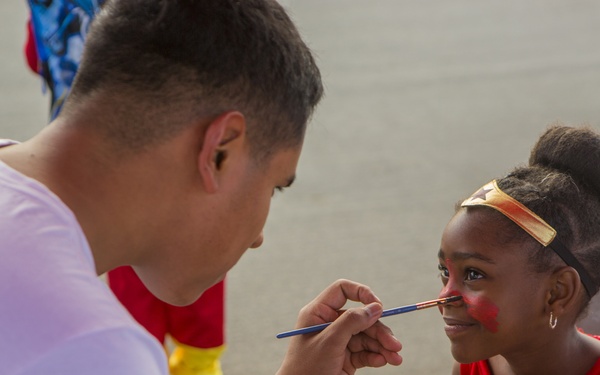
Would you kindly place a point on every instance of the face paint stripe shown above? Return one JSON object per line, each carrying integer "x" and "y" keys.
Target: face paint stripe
{"x": 484, "y": 311}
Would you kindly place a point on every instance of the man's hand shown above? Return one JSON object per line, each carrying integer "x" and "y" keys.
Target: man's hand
{"x": 354, "y": 340}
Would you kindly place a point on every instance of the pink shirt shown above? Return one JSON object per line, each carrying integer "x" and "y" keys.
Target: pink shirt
{"x": 56, "y": 315}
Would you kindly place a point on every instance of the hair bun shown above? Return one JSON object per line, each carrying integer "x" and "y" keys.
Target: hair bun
{"x": 575, "y": 151}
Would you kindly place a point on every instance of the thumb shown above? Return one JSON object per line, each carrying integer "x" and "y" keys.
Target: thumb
{"x": 355, "y": 320}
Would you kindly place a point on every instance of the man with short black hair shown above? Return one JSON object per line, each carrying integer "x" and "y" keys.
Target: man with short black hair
{"x": 184, "y": 118}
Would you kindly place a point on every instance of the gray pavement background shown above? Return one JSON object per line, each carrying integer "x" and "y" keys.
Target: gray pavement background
{"x": 425, "y": 101}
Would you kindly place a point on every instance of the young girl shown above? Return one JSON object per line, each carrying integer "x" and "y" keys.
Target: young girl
{"x": 524, "y": 253}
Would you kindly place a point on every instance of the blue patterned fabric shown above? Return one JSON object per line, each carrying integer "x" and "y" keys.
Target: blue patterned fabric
{"x": 59, "y": 28}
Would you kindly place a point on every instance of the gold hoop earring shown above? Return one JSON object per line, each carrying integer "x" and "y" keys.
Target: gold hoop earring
{"x": 553, "y": 321}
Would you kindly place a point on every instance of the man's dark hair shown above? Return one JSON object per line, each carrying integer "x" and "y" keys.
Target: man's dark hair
{"x": 167, "y": 63}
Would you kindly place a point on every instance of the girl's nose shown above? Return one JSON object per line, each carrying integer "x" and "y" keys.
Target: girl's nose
{"x": 450, "y": 290}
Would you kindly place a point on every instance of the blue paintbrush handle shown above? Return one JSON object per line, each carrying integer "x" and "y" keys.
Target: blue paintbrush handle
{"x": 394, "y": 311}
{"x": 320, "y": 327}
{"x": 399, "y": 310}
{"x": 302, "y": 331}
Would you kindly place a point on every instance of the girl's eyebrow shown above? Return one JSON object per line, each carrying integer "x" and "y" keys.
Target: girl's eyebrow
{"x": 466, "y": 255}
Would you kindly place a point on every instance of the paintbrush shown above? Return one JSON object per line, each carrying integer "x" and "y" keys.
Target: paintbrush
{"x": 394, "y": 311}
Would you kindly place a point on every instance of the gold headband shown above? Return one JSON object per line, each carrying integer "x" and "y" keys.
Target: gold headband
{"x": 490, "y": 195}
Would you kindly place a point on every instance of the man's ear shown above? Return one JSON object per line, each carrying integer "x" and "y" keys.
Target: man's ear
{"x": 564, "y": 292}
{"x": 223, "y": 136}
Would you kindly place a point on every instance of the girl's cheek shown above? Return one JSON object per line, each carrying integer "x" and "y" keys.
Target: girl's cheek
{"x": 484, "y": 311}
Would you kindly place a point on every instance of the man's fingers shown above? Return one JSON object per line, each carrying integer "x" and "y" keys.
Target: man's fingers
{"x": 354, "y": 321}
{"x": 384, "y": 335}
{"x": 365, "y": 344}
{"x": 380, "y": 342}
{"x": 326, "y": 307}
{"x": 338, "y": 293}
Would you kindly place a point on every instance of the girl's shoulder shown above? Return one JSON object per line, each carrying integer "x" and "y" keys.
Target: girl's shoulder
{"x": 596, "y": 369}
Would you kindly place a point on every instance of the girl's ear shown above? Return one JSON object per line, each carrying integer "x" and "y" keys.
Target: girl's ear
{"x": 565, "y": 290}
{"x": 223, "y": 137}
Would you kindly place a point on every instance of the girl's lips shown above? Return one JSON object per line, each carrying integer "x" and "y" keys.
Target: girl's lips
{"x": 456, "y": 326}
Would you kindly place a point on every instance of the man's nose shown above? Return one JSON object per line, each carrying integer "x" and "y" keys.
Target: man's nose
{"x": 258, "y": 241}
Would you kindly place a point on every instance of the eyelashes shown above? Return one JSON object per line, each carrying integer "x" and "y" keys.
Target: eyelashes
{"x": 470, "y": 273}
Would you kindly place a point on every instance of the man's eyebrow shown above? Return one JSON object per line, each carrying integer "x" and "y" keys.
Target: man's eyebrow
{"x": 465, "y": 256}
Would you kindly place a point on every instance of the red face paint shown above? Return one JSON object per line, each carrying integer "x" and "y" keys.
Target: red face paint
{"x": 483, "y": 310}
{"x": 479, "y": 308}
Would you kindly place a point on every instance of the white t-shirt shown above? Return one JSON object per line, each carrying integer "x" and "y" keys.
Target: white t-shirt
{"x": 56, "y": 315}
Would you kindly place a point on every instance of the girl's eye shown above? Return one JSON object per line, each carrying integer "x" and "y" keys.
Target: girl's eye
{"x": 473, "y": 275}
{"x": 470, "y": 274}
{"x": 443, "y": 271}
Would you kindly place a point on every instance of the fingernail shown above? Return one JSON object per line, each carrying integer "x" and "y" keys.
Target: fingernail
{"x": 373, "y": 309}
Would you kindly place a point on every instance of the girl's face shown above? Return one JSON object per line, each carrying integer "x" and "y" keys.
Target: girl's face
{"x": 502, "y": 310}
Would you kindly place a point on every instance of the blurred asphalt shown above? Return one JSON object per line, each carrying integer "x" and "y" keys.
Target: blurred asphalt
{"x": 425, "y": 102}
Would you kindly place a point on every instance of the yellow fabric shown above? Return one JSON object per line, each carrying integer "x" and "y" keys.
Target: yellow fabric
{"x": 188, "y": 360}
{"x": 490, "y": 195}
